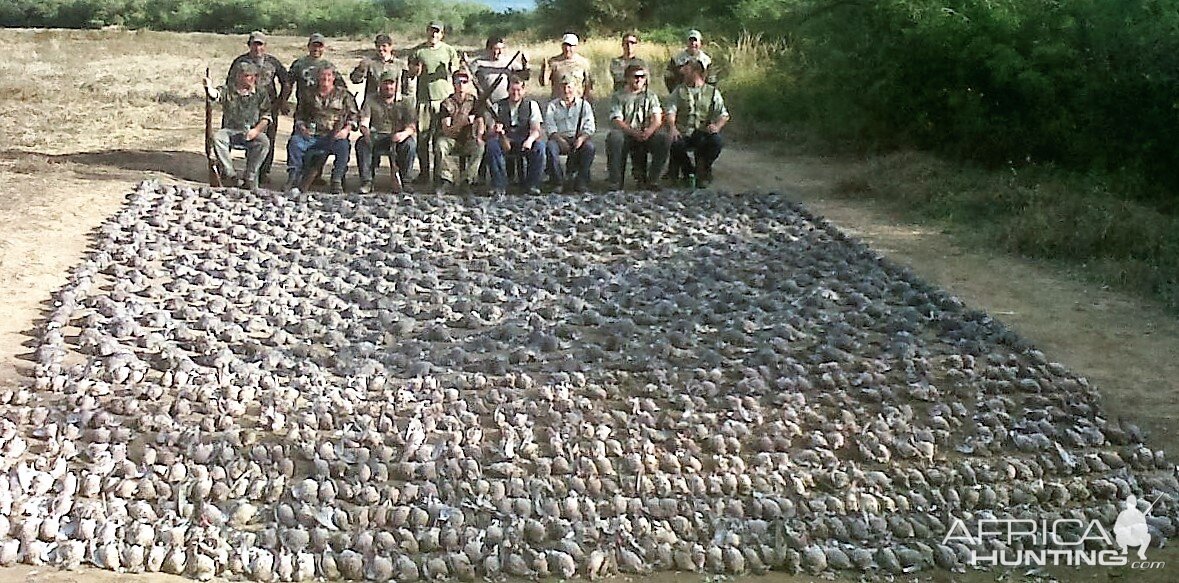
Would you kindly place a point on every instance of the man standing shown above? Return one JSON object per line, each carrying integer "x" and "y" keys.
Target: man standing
{"x": 274, "y": 80}
{"x": 693, "y": 51}
{"x": 518, "y": 128}
{"x": 370, "y": 70}
{"x": 304, "y": 70}
{"x": 323, "y": 124}
{"x": 460, "y": 134}
{"x": 387, "y": 125}
{"x": 637, "y": 117}
{"x": 695, "y": 116}
{"x": 244, "y": 119}
{"x": 569, "y": 122}
{"x": 432, "y": 64}
{"x": 493, "y": 68}
{"x": 618, "y": 65}
{"x": 572, "y": 66}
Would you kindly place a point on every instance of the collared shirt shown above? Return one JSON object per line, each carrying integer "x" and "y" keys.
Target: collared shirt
{"x": 576, "y": 66}
{"x": 369, "y": 72}
{"x": 437, "y": 64}
{"x": 242, "y": 111}
{"x": 325, "y": 114}
{"x": 636, "y": 109}
{"x": 387, "y": 117}
{"x": 696, "y": 107}
{"x": 271, "y": 70}
{"x": 460, "y": 108}
{"x": 492, "y": 74}
{"x": 511, "y": 116}
{"x": 618, "y": 67}
{"x": 304, "y": 74}
{"x": 566, "y": 120}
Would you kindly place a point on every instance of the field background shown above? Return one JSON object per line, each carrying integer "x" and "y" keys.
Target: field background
{"x": 85, "y": 115}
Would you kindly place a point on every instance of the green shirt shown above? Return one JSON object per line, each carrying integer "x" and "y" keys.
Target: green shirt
{"x": 437, "y": 65}
{"x": 385, "y": 117}
{"x": 636, "y": 109}
{"x": 695, "y": 107}
{"x": 243, "y": 111}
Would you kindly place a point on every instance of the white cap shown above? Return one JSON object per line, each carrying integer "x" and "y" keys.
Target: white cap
{"x": 569, "y": 39}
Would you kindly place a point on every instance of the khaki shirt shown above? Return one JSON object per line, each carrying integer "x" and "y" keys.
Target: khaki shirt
{"x": 243, "y": 111}
{"x": 460, "y": 108}
{"x": 437, "y": 65}
{"x": 618, "y": 67}
{"x": 324, "y": 115}
{"x": 575, "y": 66}
{"x": 695, "y": 107}
{"x": 636, "y": 109}
{"x": 387, "y": 117}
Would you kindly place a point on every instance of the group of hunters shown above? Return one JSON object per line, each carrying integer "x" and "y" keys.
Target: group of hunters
{"x": 439, "y": 106}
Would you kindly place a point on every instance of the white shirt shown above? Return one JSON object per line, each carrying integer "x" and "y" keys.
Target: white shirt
{"x": 566, "y": 119}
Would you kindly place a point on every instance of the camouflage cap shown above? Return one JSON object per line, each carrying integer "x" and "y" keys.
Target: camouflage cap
{"x": 389, "y": 76}
{"x": 256, "y": 37}
{"x": 316, "y": 38}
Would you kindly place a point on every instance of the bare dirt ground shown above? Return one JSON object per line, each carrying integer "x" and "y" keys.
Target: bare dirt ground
{"x": 87, "y": 115}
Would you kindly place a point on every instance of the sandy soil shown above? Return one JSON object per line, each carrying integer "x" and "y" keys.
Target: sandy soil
{"x": 55, "y": 189}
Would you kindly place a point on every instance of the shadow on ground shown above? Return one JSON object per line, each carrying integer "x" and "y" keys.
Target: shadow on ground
{"x": 177, "y": 164}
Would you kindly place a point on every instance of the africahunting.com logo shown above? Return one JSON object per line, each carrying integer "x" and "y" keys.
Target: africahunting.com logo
{"x": 1064, "y": 541}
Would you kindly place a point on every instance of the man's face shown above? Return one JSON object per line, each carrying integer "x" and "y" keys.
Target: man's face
{"x": 388, "y": 87}
{"x": 316, "y": 50}
{"x": 568, "y": 91}
{"x": 694, "y": 45}
{"x": 246, "y": 80}
{"x": 516, "y": 92}
{"x": 628, "y": 45}
{"x": 385, "y": 49}
{"x": 496, "y": 50}
{"x": 257, "y": 49}
{"x": 327, "y": 78}
{"x": 460, "y": 84}
{"x": 568, "y": 49}
{"x": 433, "y": 34}
{"x": 637, "y": 79}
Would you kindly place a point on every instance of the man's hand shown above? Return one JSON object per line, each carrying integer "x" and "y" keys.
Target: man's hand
{"x": 673, "y": 132}
{"x": 284, "y": 108}
{"x": 400, "y": 136}
{"x": 343, "y": 134}
{"x": 527, "y": 145}
{"x": 712, "y": 128}
{"x": 252, "y": 134}
{"x": 579, "y": 141}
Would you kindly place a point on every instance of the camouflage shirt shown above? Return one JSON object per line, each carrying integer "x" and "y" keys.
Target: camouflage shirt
{"x": 576, "y": 66}
{"x": 323, "y": 115}
{"x": 369, "y": 72}
{"x": 618, "y": 67}
{"x": 271, "y": 70}
{"x": 304, "y": 73}
{"x": 243, "y": 111}
{"x": 460, "y": 107}
{"x": 636, "y": 109}
{"x": 385, "y": 117}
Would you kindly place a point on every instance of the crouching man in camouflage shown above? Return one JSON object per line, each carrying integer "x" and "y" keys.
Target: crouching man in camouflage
{"x": 245, "y": 116}
{"x": 323, "y": 124}
{"x": 388, "y": 125}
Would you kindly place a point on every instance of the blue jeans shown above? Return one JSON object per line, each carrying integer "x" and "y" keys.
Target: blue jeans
{"x": 497, "y": 160}
{"x": 368, "y": 156}
{"x": 580, "y": 161}
{"x": 299, "y": 146}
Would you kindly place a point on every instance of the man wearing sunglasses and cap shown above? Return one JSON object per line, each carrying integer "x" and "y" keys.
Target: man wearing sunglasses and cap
{"x": 618, "y": 65}
{"x": 693, "y": 50}
{"x": 572, "y": 66}
{"x": 370, "y": 69}
{"x": 274, "y": 80}
{"x": 637, "y": 116}
{"x": 460, "y": 134}
{"x": 431, "y": 63}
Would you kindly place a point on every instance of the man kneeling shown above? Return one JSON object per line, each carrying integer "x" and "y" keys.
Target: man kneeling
{"x": 695, "y": 116}
{"x": 637, "y": 116}
{"x": 388, "y": 125}
{"x": 518, "y": 128}
{"x": 244, "y": 118}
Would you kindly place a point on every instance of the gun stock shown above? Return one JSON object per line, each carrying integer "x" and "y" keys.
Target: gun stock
{"x": 214, "y": 171}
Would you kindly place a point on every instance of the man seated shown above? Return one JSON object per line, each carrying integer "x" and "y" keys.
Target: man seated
{"x": 637, "y": 117}
{"x": 518, "y": 127}
{"x": 323, "y": 124}
{"x": 695, "y": 116}
{"x": 388, "y": 125}
{"x": 244, "y": 119}
{"x": 569, "y": 123}
{"x": 460, "y": 134}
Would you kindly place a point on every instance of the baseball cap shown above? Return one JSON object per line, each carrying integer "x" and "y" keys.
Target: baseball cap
{"x": 569, "y": 39}
{"x": 256, "y": 37}
{"x": 383, "y": 39}
{"x": 389, "y": 76}
{"x": 460, "y": 73}
{"x": 695, "y": 34}
{"x": 437, "y": 24}
{"x": 567, "y": 79}
{"x": 316, "y": 38}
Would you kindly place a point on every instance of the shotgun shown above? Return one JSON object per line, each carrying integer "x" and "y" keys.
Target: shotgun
{"x": 395, "y": 174}
{"x": 214, "y": 170}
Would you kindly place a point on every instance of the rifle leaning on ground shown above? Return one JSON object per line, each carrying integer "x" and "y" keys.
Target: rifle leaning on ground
{"x": 214, "y": 170}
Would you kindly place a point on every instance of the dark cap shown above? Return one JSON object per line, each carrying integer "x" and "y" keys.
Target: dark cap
{"x": 383, "y": 39}
{"x": 316, "y": 38}
{"x": 437, "y": 24}
{"x": 256, "y": 37}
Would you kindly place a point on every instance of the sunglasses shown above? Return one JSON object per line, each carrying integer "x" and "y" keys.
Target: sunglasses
{"x": 643, "y": 76}
{"x": 462, "y": 80}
